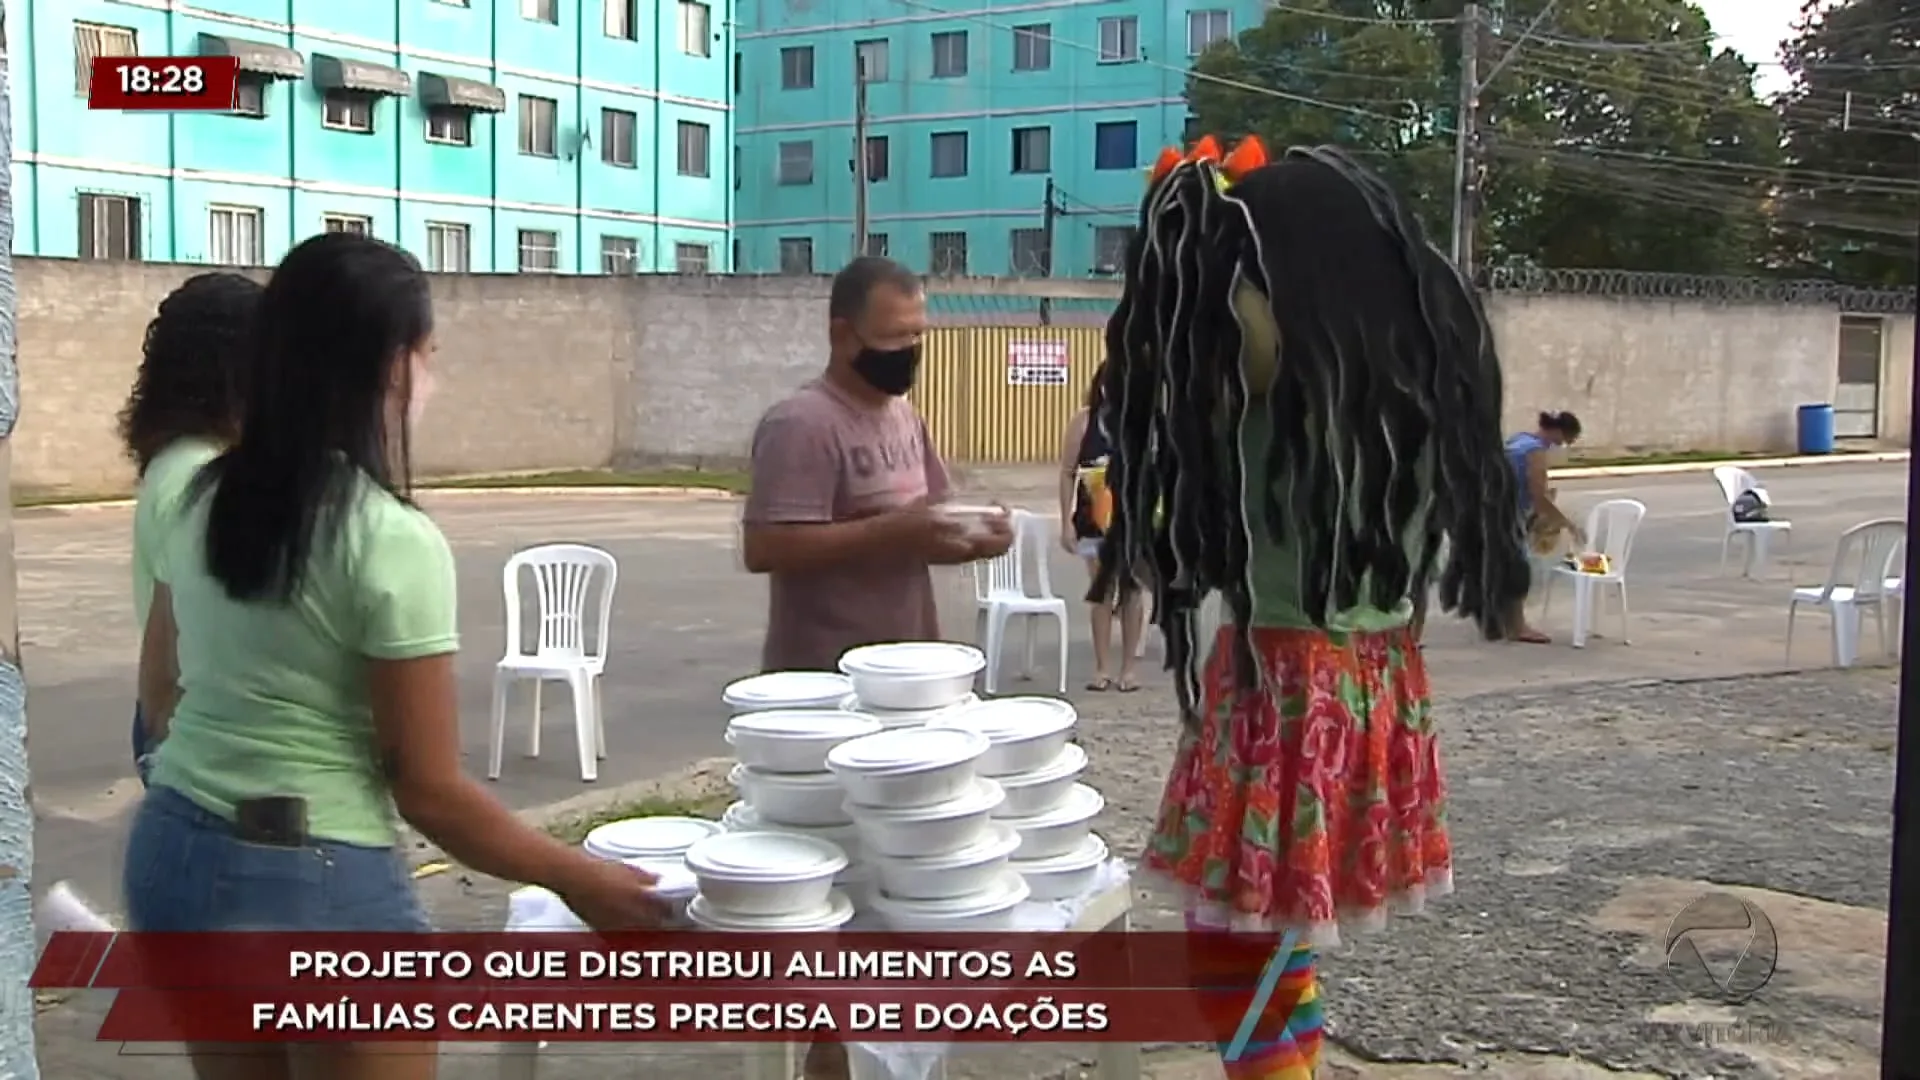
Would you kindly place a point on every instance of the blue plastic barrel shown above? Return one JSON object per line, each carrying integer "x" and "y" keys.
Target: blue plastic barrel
{"x": 1816, "y": 429}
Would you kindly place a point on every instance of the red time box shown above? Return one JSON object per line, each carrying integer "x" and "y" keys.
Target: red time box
{"x": 164, "y": 83}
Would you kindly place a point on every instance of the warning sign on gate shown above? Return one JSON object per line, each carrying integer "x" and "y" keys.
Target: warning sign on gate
{"x": 1037, "y": 363}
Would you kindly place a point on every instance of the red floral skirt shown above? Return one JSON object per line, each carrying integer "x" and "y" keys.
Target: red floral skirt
{"x": 1314, "y": 802}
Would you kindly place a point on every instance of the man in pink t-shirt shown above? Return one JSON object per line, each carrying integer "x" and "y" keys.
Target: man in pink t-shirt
{"x": 845, "y": 481}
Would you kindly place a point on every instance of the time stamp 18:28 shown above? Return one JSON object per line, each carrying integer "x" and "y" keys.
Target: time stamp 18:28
{"x": 164, "y": 83}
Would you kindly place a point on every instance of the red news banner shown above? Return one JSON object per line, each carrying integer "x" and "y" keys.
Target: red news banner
{"x": 687, "y": 985}
{"x": 164, "y": 83}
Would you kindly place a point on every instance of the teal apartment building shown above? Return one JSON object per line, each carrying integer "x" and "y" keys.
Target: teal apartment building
{"x": 977, "y": 111}
{"x": 569, "y": 136}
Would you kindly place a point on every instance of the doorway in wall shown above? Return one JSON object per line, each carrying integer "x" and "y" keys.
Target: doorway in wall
{"x": 1856, "y": 398}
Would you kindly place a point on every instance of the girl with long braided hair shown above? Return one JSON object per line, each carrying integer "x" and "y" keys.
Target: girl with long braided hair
{"x": 1304, "y": 401}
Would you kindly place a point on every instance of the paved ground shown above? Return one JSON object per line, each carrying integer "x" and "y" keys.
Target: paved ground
{"x": 1594, "y": 793}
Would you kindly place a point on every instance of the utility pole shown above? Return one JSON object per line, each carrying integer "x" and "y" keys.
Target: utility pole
{"x": 1049, "y": 214}
{"x": 860, "y": 177}
{"x": 1466, "y": 122}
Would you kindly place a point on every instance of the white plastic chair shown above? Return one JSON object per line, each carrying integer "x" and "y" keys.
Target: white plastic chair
{"x": 1611, "y": 527}
{"x": 1001, "y": 593}
{"x": 1756, "y": 535}
{"x": 1865, "y": 574}
{"x": 565, "y": 577}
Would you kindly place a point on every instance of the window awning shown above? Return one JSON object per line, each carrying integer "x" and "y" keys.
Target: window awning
{"x": 359, "y": 77}
{"x": 257, "y": 57}
{"x": 453, "y": 92}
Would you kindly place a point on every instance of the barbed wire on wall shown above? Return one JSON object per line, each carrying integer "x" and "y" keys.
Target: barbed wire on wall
{"x": 1641, "y": 284}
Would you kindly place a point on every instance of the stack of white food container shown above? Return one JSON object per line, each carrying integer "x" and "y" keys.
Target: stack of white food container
{"x": 912, "y": 683}
{"x": 657, "y": 845}
{"x": 784, "y": 783}
{"x": 768, "y": 882}
{"x": 1038, "y": 767}
{"x": 778, "y": 690}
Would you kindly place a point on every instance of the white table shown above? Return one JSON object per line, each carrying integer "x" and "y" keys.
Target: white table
{"x": 1108, "y": 908}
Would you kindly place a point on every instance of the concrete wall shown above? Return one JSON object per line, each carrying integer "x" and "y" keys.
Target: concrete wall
{"x": 563, "y": 372}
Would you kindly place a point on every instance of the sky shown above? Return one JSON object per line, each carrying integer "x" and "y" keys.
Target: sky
{"x": 1755, "y": 28}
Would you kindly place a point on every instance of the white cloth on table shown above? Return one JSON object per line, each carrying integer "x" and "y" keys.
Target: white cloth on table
{"x": 535, "y": 909}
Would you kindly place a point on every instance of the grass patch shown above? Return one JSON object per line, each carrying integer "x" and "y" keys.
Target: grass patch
{"x": 711, "y": 480}
{"x": 1679, "y": 457}
{"x": 575, "y": 830}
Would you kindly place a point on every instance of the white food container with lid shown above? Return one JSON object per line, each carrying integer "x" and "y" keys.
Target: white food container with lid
{"x": 809, "y": 799}
{"x": 913, "y": 674}
{"x": 906, "y": 766}
{"x": 1041, "y": 790}
{"x": 651, "y": 839}
{"x": 674, "y": 884}
{"x": 906, "y": 718}
{"x": 794, "y": 740}
{"x": 990, "y": 909}
{"x": 765, "y": 873}
{"x": 918, "y": 831}
{"x": 742, "y": 817}
{"x": 970, "y": 870}
{"x": 1063, "y": 877}
{"x": 787, "y": 690}
{"x": 836, "y": 911}
{"x": 1059, "y": 830}
{"x": 976, "y": 521}
{"x": 1026, "y": 733}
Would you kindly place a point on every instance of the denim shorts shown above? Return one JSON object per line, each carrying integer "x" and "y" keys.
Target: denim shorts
{"x": 185, "y": 872}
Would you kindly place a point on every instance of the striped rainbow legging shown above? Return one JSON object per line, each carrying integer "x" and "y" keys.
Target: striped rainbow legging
{"x": 1285, "y": 1042}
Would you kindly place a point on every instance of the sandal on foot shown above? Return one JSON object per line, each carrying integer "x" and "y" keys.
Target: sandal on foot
{"x": 1127, "y": 686}
{"x": 1100, "y": 685}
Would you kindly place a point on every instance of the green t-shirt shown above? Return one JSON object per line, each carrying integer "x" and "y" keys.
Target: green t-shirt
{"x": 162, "y": 487}
{"x": 273, "y": 696}
{"x": 1276, "y": 569}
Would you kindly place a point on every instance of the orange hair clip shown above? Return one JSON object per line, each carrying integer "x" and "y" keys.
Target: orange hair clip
{"x": 1207, "y": 149}
{"x": 1249, "y": 155}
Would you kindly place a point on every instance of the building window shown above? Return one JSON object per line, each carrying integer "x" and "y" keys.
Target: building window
{"x": 617, "y": 19}
{"x": 878, "y": 159}
{"x": 948, "y": 149}
{"x": 539, "y": 250}
{"x": 1032, "y": 150}
{"x": 351, "y": 224}
{"x": 449, "y": 250}
{"x": 109, "y": 227}
{"x": 1119, "y": 39}
{"x": 250, "y": 97}
{"x": 870, "y": 59}
{"x": 234, "y": 236}
{"x": 693, "y": 258}
{"x": 619, "y": 255}
{"x": 877, "y": 245}
{"x": 696, "y": 28}
{"x": 450, "y": 127}
{"x": 539, "y": 117}
{"x": 617, "y": 127}
{"x": 796, "y": 163}
{"x": 948, "y": 253}
{"x": 1116, "y": 145}
{"x": 796, "y": 255}
{"x": 1204, "y": 28}
{"x": 546, "y": 11}
{"x": 1031, "y": 256}
{"x": 695, "y": 150}
{"x": 343, "y": 110}
{"x": 950, "y": 54}
{"x": 91, "y": 41}
{"x": 1110, "y": 248}
{"x": 796, "y": 68}
{"x": 1033, "y": 47}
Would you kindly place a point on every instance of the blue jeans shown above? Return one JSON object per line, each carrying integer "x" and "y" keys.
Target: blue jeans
{"x": 185, "y": 872}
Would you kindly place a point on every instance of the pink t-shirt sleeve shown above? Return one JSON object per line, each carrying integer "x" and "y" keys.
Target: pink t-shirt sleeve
{"x": 796, "y": 475}
{"x": 939, "y": 485}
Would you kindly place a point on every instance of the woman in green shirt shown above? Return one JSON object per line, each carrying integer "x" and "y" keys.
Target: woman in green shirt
{"x": 1311, "y": 389}
{"x": 298, "y": 661}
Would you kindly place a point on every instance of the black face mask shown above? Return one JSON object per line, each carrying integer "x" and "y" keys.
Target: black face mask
{"x": 890, "y": 371}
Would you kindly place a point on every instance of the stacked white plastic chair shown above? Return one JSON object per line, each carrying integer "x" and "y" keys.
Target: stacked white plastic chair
{"x": 1756, "y": 535}
{"x": 1001, "y": 594}
{"x": 1866, "y": 575}
{"x": 569, "y": 581}
{"x": 1611, "y": 527}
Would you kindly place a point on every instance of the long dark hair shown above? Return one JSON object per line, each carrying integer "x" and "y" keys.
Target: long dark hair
{"x": 189, "y": 384}
{"x": 340, "y": 313}
{"x": 1384, "y": 405}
